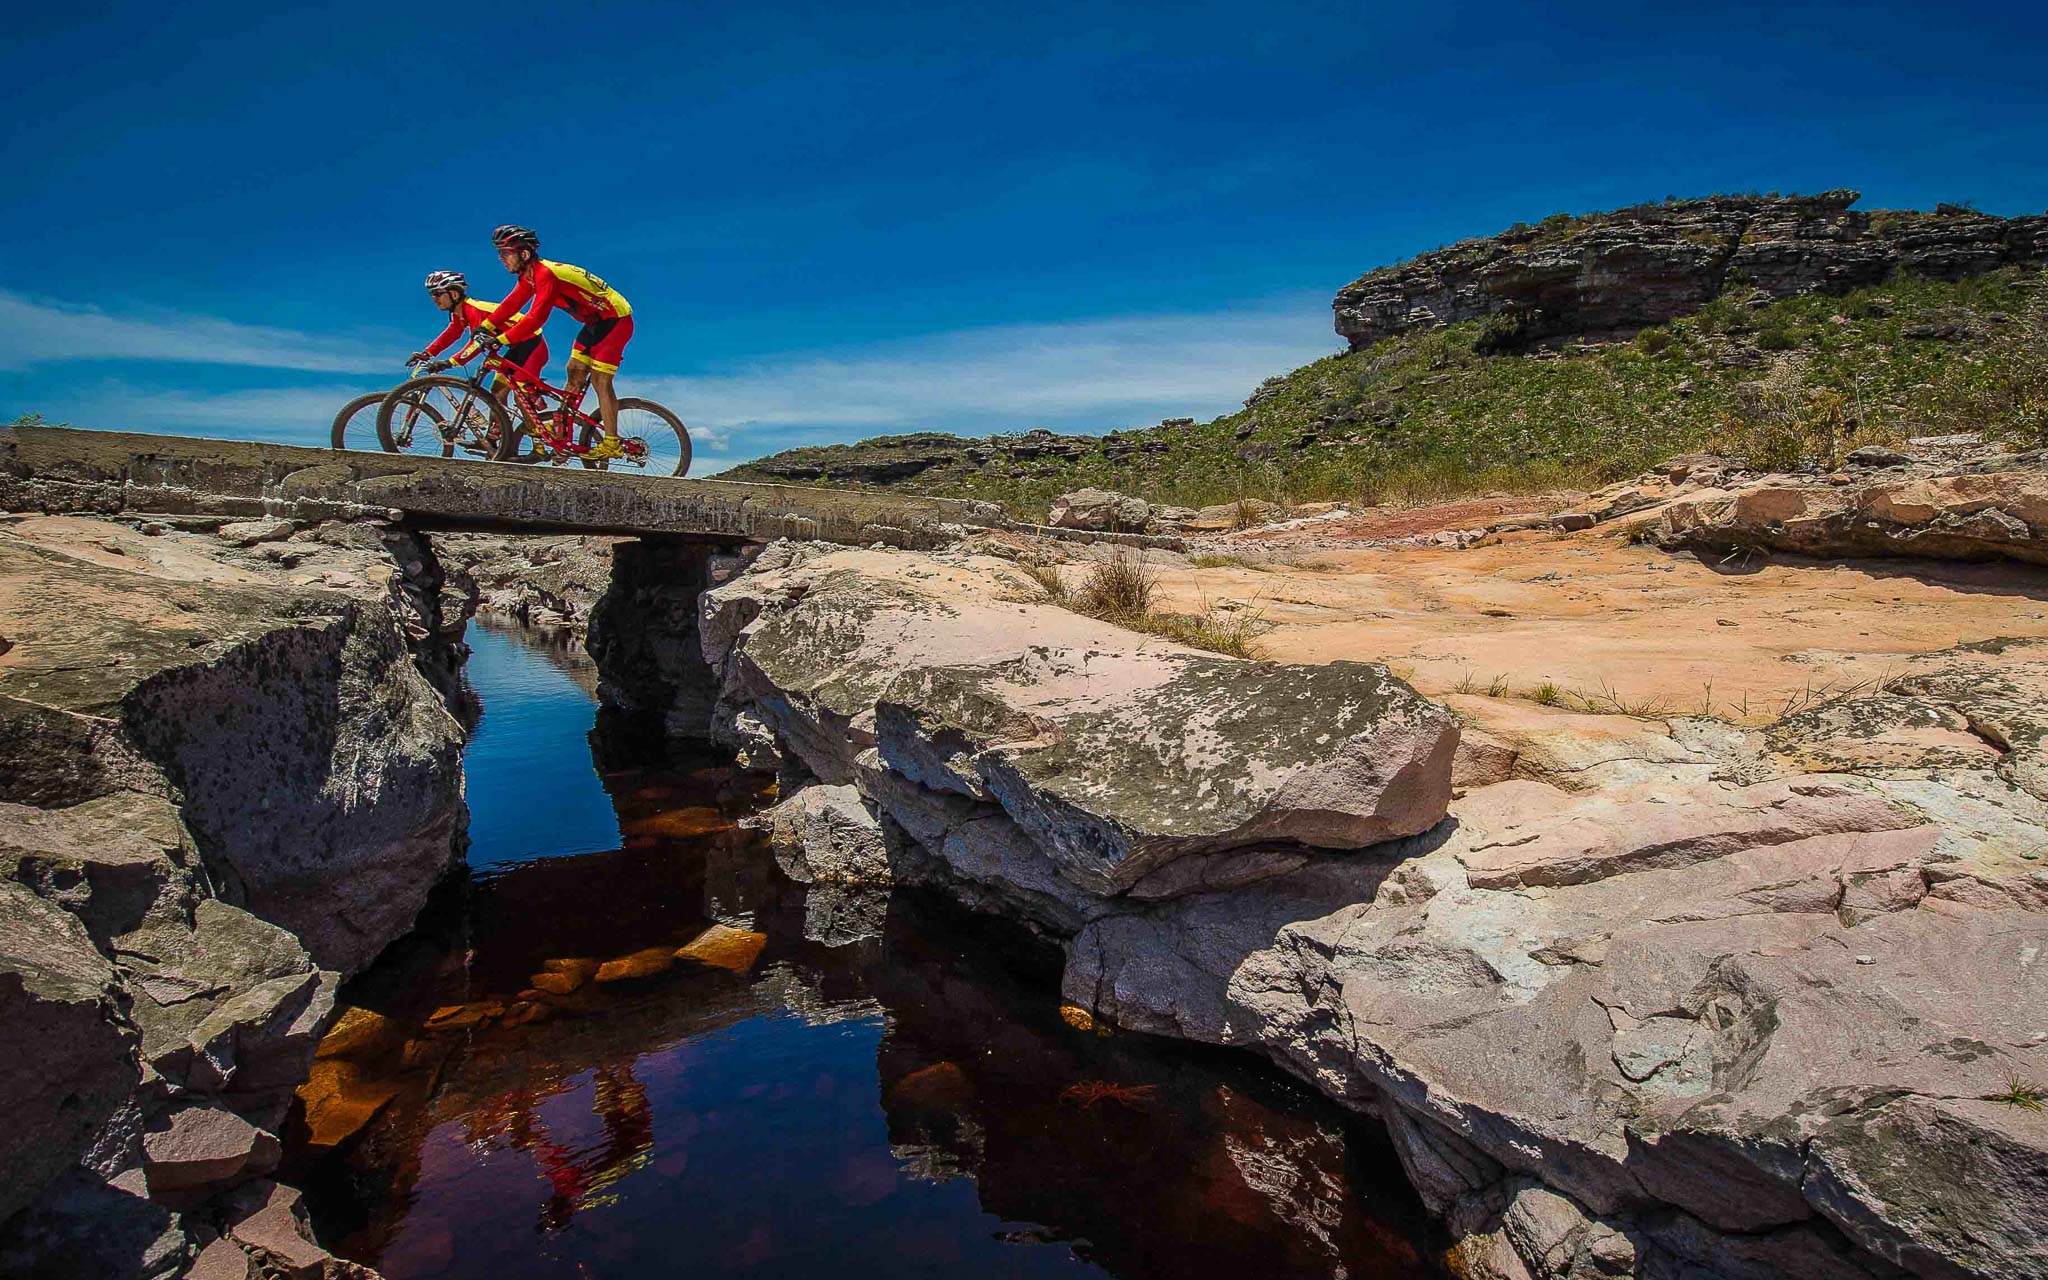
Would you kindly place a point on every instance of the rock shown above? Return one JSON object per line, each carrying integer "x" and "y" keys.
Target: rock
{"x": 222, "y": 1260}
{"x": 69, "y": 1059}
{"x": 317, "y": 768}
{"x": 723, "y": 947}
{"x": 108, "y": 861}
{"x": 269, "y": 1223}
{"x": 1587, "y": 1033}
{"x": 1646, "y": 265}
{"x": 339, "y": 1102}
{"x": 1101, "y": 511}
{"x": 82, "y": 1226}
{"x": 197, "y": 1151}
{"x": 644, "y": 963}
{"x": 247, "y": 533}
{"x": 1174, "y": 754}
{"x": 1050, "y": 758}
{"x": 1969, "y": 516}
{"x": 828, "y": 835}
{"x": 1876, "y": 455}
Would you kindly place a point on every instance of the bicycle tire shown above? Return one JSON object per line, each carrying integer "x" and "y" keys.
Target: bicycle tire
{"x": 465, "y": 395}
{"x": 658, "y": 457}
{"x": 338, "y": 438}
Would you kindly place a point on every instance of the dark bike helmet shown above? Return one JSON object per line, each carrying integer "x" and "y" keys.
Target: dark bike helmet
{"x": 513, "y": 234}
{"x": 439, "y": 280}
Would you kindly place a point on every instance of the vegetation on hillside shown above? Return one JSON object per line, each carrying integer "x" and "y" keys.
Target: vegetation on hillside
{"x": 1459, "y": 410}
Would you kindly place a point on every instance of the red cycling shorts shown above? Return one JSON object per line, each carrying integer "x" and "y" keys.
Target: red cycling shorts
{"x": 529, "y": 357}
{"x": 602, "y": 342}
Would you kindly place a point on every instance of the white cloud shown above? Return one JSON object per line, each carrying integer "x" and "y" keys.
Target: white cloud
{"x": 42, "y": 331}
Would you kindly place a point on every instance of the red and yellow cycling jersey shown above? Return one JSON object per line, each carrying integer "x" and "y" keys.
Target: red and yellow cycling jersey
{"x": 471, "y": 315}
{"x": 557, "y": 284}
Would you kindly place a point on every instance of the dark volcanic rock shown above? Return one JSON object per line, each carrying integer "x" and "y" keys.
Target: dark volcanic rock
{"x": 1626, "y": 270}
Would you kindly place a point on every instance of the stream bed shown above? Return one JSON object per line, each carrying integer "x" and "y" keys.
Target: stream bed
{"x": 626, "y": 1045}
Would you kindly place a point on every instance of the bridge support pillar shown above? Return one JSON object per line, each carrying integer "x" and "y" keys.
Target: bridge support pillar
{"x": 644, "y": 637}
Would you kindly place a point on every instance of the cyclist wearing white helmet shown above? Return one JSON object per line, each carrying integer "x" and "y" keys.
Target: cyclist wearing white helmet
{"x": 606, "y": 315}
{"x": 450, "y": 291}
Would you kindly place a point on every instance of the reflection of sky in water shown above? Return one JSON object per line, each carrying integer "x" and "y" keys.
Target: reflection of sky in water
{"x": 847, "y": 1090}
{"x": 532, "y": 792}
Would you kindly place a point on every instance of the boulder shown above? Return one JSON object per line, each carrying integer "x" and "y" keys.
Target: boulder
{"x": 247, "y": 533}
{"x": 1101, "y": 511}
{"x": 828, "y": 835}
{"x": 1050, "y": 759}
{"x": 1118, "y": 763}
{"x": 195, "y": 1151}
{"x": 69, "y": 1054}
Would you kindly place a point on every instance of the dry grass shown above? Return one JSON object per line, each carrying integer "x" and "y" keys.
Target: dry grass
{"x": 1052, "y": 588}
{"x": 1120, "y": 592}
{"x": 1119, "y": 586}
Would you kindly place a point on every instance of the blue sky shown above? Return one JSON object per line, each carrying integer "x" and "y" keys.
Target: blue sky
{"x": 841, "y": 220}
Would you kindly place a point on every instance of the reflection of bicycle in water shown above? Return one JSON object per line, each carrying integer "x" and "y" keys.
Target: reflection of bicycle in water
{"x": 438, "y": 414}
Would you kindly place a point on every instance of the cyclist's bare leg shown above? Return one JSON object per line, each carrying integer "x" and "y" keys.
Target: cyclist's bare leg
{"x": 573, "y": 384}
{"x": 607, "y": 401}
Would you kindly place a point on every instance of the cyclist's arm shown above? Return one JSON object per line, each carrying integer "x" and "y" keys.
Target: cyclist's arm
{"x": 448, "y": 335}
{"x": 484, "y": 322}
{"x": 542, "y": 292}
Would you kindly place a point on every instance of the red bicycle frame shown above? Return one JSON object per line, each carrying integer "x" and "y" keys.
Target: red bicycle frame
{"x": 529, "y": 392}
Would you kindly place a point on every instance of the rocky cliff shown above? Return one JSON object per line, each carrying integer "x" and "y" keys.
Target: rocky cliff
{"x": 1626, "y": 270}
{"x": 230, "y": 771}
{"x": 1634, "y": 998}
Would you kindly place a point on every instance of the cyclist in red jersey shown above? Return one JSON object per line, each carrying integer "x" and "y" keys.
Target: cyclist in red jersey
{"x": 606, "y": 315}
{"x": 450, "y": 291}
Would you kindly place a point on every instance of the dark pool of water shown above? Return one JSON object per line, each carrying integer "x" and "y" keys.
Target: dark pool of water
{"x": 876, "y": 1084}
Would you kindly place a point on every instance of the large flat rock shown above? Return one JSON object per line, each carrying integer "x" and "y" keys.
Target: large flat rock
{"x": 1051, "y": 758}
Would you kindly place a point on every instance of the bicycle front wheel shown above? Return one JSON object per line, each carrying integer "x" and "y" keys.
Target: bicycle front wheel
{"x": 437, "y": 416}
{"x": 664, "y": 443}
{"x": 355, "y": 427}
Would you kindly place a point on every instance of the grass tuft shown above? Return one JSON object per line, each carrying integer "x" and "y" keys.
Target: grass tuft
{"x": 2021, "y": 1093}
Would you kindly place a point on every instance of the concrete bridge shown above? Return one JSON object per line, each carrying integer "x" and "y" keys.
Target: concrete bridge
{"x": 60, "y": 469}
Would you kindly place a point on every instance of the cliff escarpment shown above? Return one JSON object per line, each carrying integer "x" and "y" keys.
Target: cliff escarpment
{"x": 1632, "y": 268}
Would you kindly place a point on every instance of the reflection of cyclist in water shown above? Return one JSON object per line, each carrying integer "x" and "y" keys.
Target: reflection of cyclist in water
{"x": 580, "y": 1178}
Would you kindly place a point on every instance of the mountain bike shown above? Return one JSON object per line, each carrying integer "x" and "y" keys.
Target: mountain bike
{"x": 437, "y": 408}
{"x": 439, "y": 430}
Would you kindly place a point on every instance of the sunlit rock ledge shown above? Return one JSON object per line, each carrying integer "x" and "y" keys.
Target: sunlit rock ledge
{"x": 1694, "y": 1012}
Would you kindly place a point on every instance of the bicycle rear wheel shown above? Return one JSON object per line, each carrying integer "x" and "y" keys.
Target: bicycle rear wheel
{"x": 437, "y": 416}
{"x": 665, "y": 442}
{"x": 355, "y": 427}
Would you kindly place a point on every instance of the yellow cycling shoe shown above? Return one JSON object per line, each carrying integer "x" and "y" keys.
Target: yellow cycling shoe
{"x": 605, "y": 450}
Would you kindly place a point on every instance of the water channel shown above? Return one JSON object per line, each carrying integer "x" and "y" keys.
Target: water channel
{"x": 626, "y": 1045}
